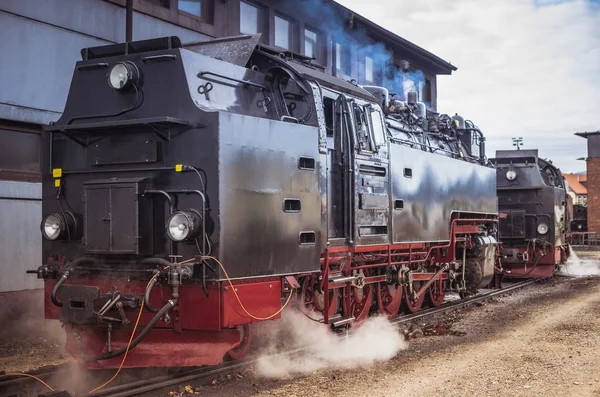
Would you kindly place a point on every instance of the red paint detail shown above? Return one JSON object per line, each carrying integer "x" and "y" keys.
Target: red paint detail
{"x": 310, "y": 301}
{"x": 427, "y": 276}
{"x": 435, "y": 293}
{"x": 196, "y": 310}
{"x": 410, "y": 305}
{"x": 545, "y": 267}
{"x": 261, "y": 299}
{"x": 160, "y": 348}
{"x": 466, "y": 229}
{"x": 388, "y": 304}
{"x": 243, "y": 346}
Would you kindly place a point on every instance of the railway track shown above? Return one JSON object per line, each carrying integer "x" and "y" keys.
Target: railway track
{"x": 22, "y": 387}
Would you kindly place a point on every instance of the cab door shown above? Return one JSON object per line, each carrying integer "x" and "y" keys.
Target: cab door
{"x": 371, "y": 199}
{"x": 337, "y": 165}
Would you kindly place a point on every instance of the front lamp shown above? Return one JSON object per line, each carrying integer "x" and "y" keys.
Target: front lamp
{"x": 542, "y": 228}
{"x": 56, "y": 227}
{"x": 511, "y": 175}
{"x": 184, "y": 225}
{"x": 122, "y": 75}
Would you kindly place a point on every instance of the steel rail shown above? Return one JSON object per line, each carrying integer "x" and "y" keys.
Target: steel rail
{"x": 451, "y": 306}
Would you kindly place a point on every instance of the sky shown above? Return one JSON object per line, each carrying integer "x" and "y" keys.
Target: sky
{"x": 526, "y": 68}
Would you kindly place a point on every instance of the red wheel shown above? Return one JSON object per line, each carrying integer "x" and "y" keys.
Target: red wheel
{"x": 435, "y": 293}
{"x": 409, "y": 304}
{"x": 242, "y": 349}
{"x": 313, "y": 300}
{"x": 389, "y": 299}
{"x": 360, "y": 303}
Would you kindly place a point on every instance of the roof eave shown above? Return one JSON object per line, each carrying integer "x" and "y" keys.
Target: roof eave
{"x": 440, "y": 66}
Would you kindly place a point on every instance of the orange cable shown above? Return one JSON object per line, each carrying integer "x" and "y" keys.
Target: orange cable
{"x": 238, "y": 298}
{"x": 128, "y": 343}
{"x": 29, "y": 376}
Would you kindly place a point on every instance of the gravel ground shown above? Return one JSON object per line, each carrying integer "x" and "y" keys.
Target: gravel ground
{"x": 32, "y": 345}
{"x": 539, "y": 341}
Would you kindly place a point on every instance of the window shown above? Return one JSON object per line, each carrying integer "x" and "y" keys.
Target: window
{"x": 378, "y": 129}
{"x": 342, "y": 60}
{"x": 369, "y": 76}
{"x": 311, "y": 44}
{"x": 283, "y": 33}
{"x": 194, "y": 7}
{"x": 365, "y": 142}
{"x": 250, "y": 18}
{"x": 427, "y": 92}
{"x": 328, "y": 109}
{"x": 20, "y": 151}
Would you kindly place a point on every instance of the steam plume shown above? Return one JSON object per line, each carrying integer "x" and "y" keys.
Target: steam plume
{"x": 376, "y": 340}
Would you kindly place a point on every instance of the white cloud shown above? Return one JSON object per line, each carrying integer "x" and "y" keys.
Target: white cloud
{"x": 527, "y": 68}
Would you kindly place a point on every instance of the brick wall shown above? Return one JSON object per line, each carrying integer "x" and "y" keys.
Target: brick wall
{"x": 593, "y": 194}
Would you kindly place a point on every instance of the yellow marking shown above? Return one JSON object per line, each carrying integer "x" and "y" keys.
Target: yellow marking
{"x": 178, "y": 167}
{"x": 57, "y": 183}
{"x": 57, "y": 173}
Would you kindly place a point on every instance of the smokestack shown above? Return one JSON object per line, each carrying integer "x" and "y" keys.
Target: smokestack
{"x": 129, "y": 20}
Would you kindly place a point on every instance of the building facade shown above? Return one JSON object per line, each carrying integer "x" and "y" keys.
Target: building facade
{"x": 42, "y": 39}
{"x": 593, "y": 179}
{"x": 577, "y": 187}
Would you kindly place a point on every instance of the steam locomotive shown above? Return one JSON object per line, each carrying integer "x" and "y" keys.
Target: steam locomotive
{"x": 579, "y": 219}
{"x": 190, "y": 191}
{"x": 534, "y": 214}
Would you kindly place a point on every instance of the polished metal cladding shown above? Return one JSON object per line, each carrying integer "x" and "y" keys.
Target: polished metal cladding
{"x": 217, "y": 85}
{"x": 429, "y": 188}
{"x": 270, "y": 207}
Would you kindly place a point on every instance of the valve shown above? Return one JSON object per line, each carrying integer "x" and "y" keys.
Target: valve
{"x": 44, "y": 271}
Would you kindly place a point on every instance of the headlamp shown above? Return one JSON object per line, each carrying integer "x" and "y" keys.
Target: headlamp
{"x": 183, "y": 225}
{"x": 542, "y": 228}
{"x": 54, "y": 227}
{"x": 511, "y": 175}
{"x": 122, "y": 75}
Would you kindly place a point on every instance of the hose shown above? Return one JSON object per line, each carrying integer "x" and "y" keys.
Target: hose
{"x": 56, "y": 287}
{"x": 147, "y": 296}
{"x": 139, "y": 338}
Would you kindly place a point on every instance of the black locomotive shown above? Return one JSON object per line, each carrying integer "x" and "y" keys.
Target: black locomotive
{"x": 579, "y": 219}
{"x": 194, "y": 187}
{"x": 534, "y": 216}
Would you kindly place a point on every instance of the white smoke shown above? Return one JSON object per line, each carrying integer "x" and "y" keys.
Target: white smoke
{"x": 577, "y": 267}
{"x": 374, "y": 341}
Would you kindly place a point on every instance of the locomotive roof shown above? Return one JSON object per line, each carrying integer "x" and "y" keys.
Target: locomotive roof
{"x": 330, "y": 81}
{"x": 503, "y": 154}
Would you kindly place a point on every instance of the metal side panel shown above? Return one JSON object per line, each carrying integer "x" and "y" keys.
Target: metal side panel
{"x": 427, "y": 188}
{"x": 269, "y": 196}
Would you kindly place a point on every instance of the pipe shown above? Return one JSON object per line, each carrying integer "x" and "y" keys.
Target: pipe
{"x": 170, "y": 304}
{"x": 147, "y": 296}
{"x": 56, "y": 287}
{"x": 157, "y": 261}
{"x": 60, "y": 282}
{"x": 129, "y": 21}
